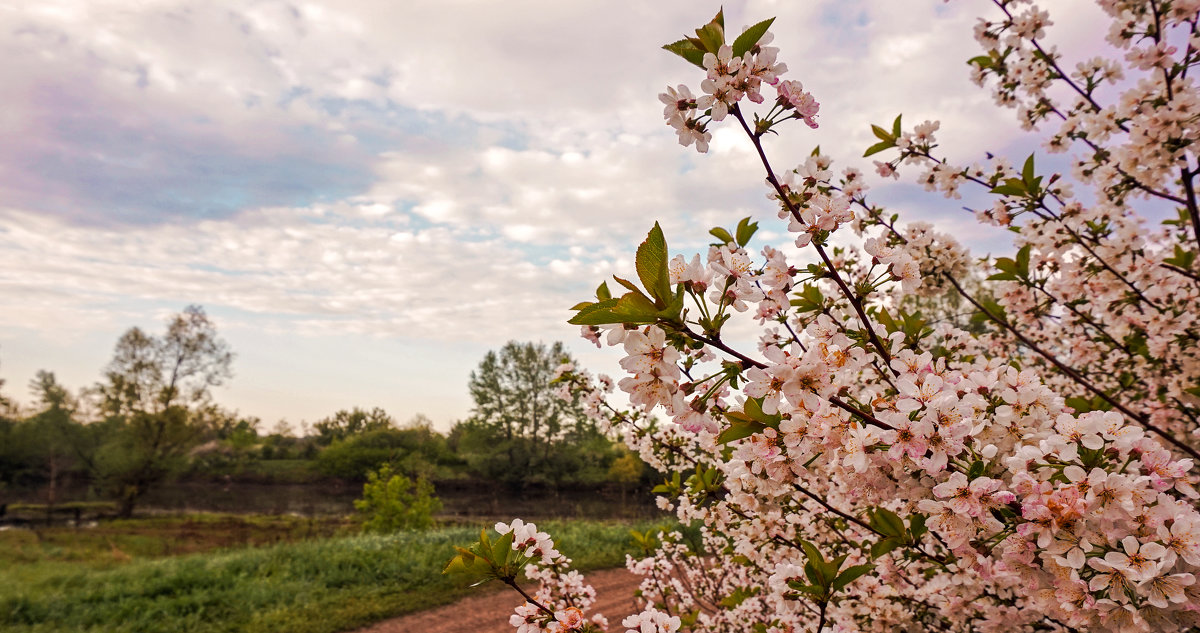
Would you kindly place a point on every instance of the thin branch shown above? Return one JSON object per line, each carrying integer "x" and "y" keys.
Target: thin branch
{"x": 513, "y": 583}
{"x": 1074, "y": 375}
{"x": 855, "y": 302}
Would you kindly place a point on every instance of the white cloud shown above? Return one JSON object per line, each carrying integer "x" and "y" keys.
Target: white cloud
{"x": 444, "y": 170}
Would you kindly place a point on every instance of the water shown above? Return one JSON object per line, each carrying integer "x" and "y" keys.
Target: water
{"x": 460, "y": 500}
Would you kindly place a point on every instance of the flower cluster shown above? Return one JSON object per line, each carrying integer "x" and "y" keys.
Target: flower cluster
{"x": 729, "y": 79}
{"x": 562, "y": 597}
{"x": 920, "y": 441}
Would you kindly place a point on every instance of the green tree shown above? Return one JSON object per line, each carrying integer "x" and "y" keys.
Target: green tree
{"x": 55, "y": 429}
{"x": 520, "y": 429}
{"x": 345, "y": 423}
{"x": 152, "y": 391}
{"x": 392, "y": 502}
{"x": 414, "y": 449}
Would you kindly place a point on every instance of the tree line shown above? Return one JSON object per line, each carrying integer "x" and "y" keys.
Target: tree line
{"x": 152, "y": 417}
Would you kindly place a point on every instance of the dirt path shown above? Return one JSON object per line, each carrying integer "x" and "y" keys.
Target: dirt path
{"x": 488, "y": 613}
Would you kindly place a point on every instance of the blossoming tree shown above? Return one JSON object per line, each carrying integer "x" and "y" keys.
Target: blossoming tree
{"x": 870, "y": 468}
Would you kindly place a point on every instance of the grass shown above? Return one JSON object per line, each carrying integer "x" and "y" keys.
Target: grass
{"x": 314, "y": 586}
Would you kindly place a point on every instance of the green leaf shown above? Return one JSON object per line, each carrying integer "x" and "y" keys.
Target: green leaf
{"x": 687, "y": 50}
{"x": 719, "y": 18}
{"x": 651, "y": 262}
{"x": 976, "y": 469}
{"x": 1022, "y": 262}
{"x": 1027, "y": 173}
{"x": 712, "y": 36}
{"x": 810, "y": 299}
{"x": 885, "y": 319}
{"x": 1009, "y": 190}
{"x": 811, "y": 552}
{"x": 746, "y": 230}
{"x": 746, "y": 41}
{"x": 850, "y": 575}
{"x": 633, "y": 308}
{"x": 883, "y": 134}
{"x": 896, "y": 127}
{"x": 1081, "y": 405}
{"x": 504, "y": 544}
{"x": 1182, "y": 258}
{"x": 595, "y": 314}
{"x": 721, "y": 234}
{"x": 982, "y": 61}
{"x": 602, "y": 292}
{"x": 738, "y": 596}
{"x": 916, "y": 526}
{"x": 753, "y": 408}
{"x": 879, "y": 147}
{"x": 739, "y": 428}
{"x": 883, "y": 546}
{"x": 887, "y": 523}
{"x": 629, "y": 285}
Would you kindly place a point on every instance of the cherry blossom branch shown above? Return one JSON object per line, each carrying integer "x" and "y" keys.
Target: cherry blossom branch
{"x": 1074, "y": 375}
{"x": 513, "y": 583}
{"x": 855, "y": 302}
{"x": 1042, "y": 204}
{"x": 746, "y": 360}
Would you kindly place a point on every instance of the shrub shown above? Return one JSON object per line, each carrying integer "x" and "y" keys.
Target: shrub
{"x": 394, "y": 502}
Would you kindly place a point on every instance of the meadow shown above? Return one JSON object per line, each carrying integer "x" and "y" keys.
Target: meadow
{"x": 209, "y": 573}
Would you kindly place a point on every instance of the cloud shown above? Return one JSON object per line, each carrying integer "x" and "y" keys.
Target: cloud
{"x": 433, "y": 170}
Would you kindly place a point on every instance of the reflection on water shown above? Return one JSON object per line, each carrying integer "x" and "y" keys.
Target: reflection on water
{"x": 463, "y": 500}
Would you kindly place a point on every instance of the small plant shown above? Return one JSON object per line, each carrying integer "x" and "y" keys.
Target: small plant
{"x": 394, "y": 502}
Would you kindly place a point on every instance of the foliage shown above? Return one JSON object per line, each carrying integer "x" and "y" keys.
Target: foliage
{"x": 413, "y": 450}
{"x": 345, "y": 424}
{"x": 520, "y": 430}
{"x": 392, "y": 502}
{"x": 881, "y": 461}
{"x": 150, "y": 388}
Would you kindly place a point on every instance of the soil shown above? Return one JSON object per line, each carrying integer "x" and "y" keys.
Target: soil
{"x": 488, "y": 613}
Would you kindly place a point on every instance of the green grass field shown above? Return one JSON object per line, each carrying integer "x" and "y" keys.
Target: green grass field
{"x": 120, "y": 580}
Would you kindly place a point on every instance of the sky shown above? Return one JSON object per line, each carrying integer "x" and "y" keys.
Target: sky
{"x": 366, "y": 197}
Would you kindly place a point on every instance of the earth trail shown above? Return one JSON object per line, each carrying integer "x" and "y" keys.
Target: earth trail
{"x": 489, "y": 612}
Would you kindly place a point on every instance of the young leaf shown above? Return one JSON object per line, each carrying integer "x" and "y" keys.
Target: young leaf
{"x": 721, "y": 234}
{"x": 746, "y": 230}
{"x": 850, "y": 575}
{"x": 879, "y": 147}
{"x": 750, "y": 37}
{"x": 651, "y": 263}
{"x": 632, "y": 287}
{"x": 595, "y": 314}
{"x": 883, "y": 546}
{"x": 711, "y": 36}
{"x": 739, "y": 429}
{"x": 687, "y": 50}
{"x": 1027, "y": 174}
{"x": 916, "y": 526}
{"x": 719, "y": 18}
{"x": 887, "y": 522}
{"x": 1022, "y": 262}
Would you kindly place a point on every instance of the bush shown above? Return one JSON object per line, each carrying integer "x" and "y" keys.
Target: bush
{"x": 394, "y": 502}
